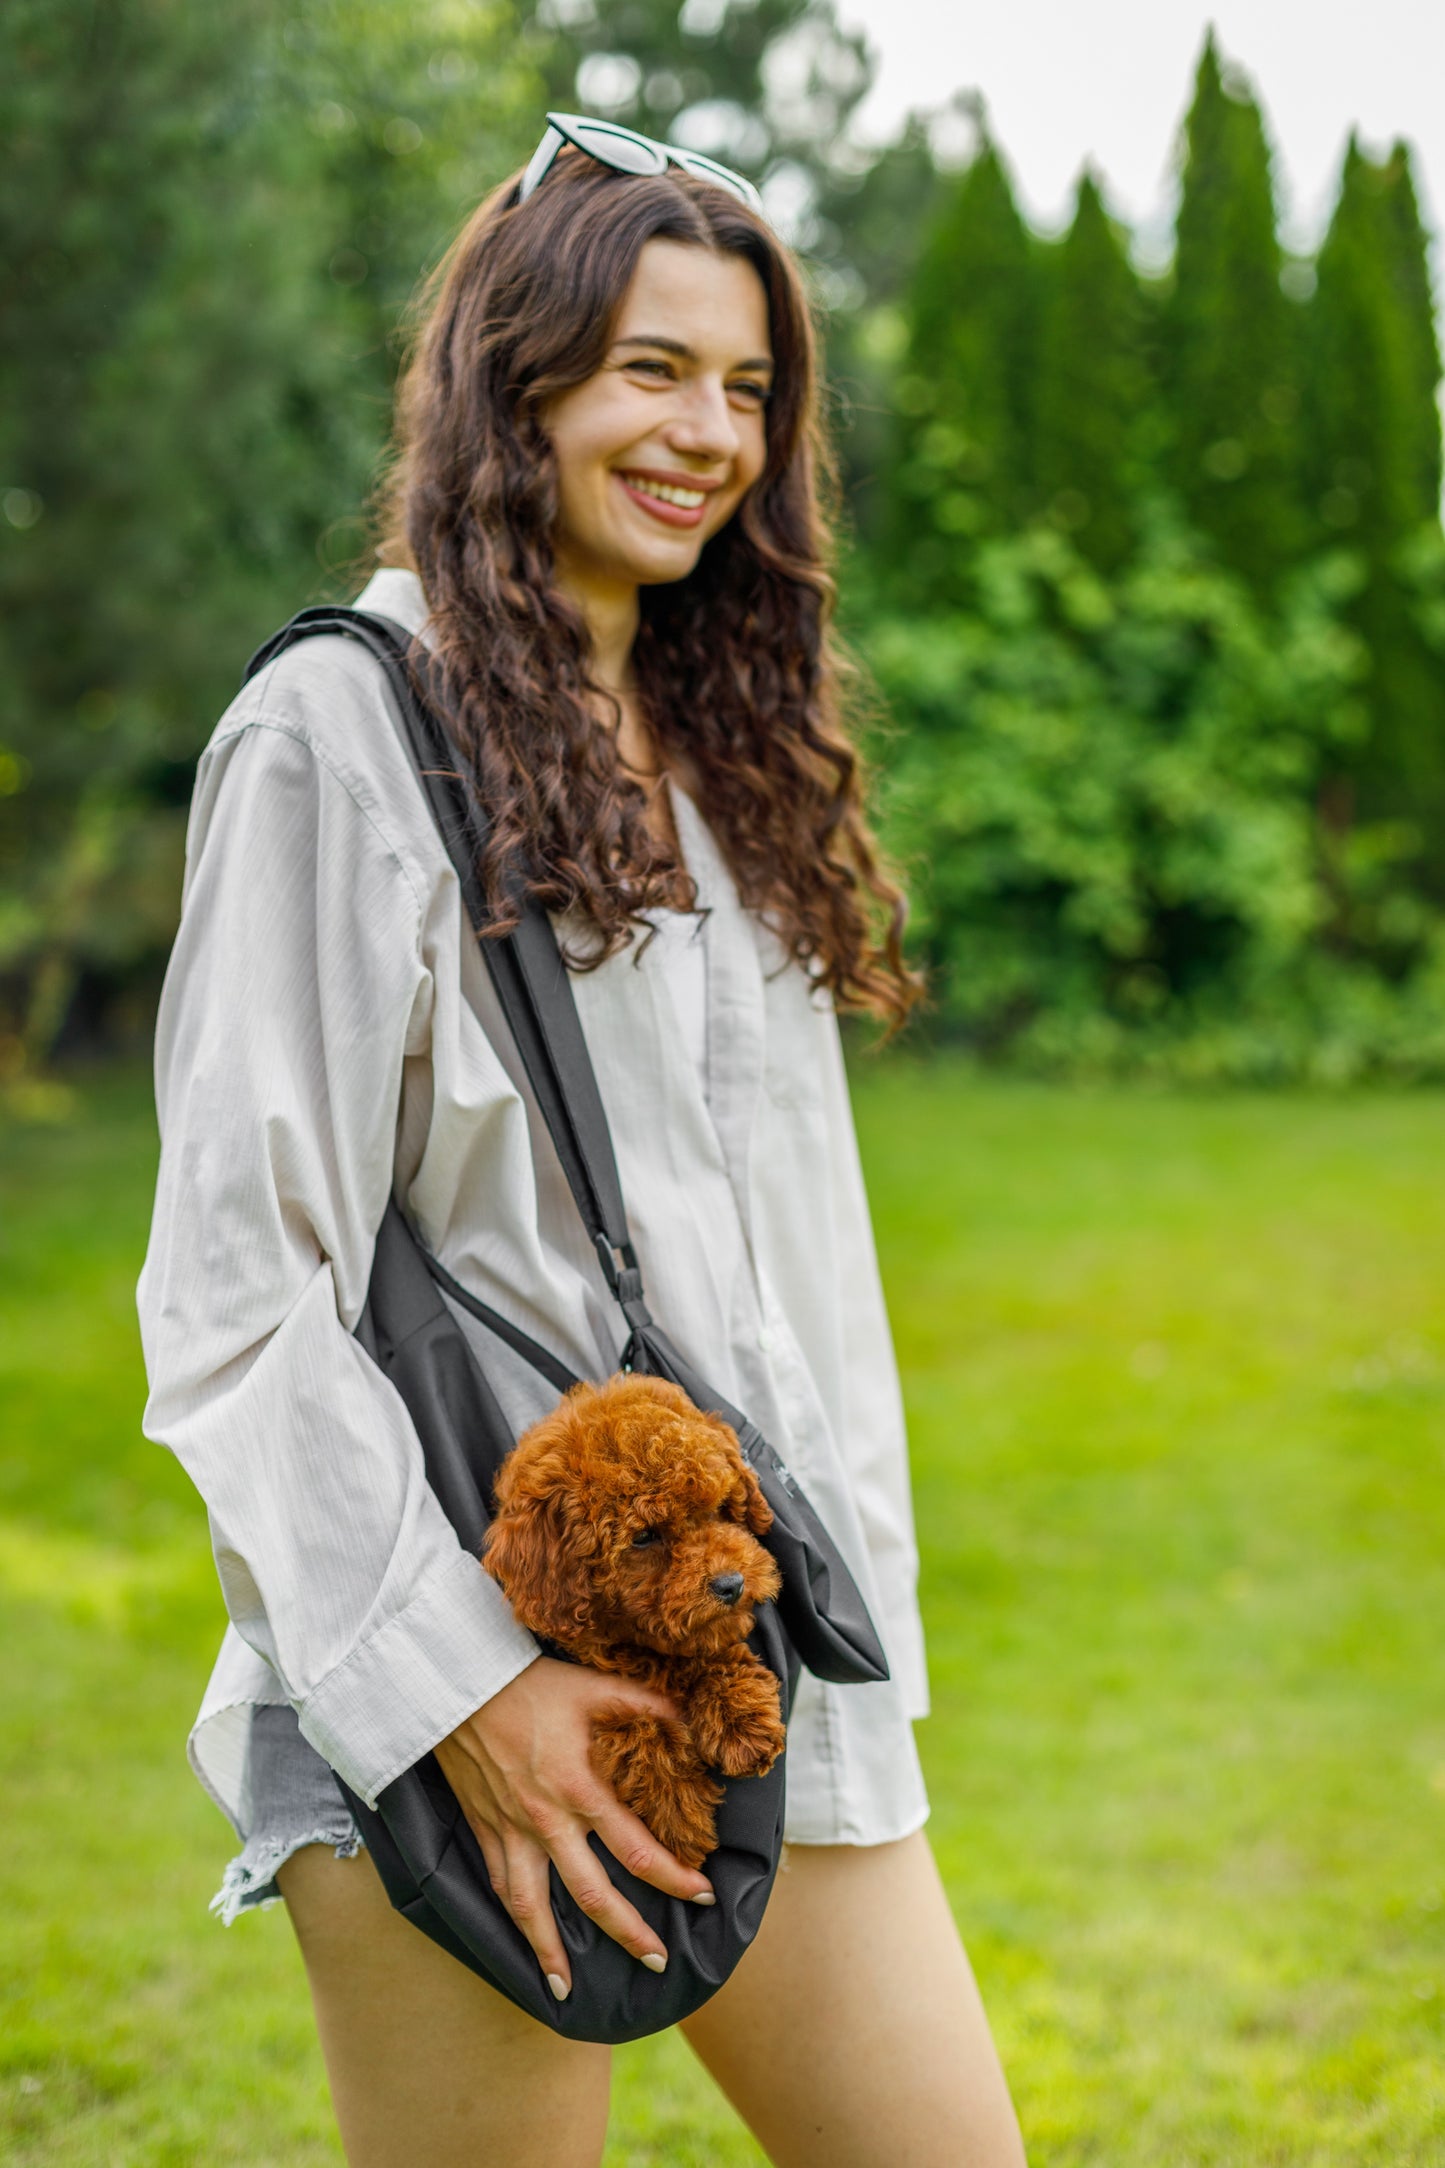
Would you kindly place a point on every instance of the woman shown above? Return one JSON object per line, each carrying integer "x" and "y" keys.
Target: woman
{"x": 602, "y": 523}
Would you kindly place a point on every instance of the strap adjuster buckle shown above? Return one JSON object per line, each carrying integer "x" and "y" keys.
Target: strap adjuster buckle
{"x": 612, "y": 1271}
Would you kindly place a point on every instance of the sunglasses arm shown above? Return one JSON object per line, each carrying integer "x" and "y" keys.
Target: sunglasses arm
{"x": 541, "y": 162}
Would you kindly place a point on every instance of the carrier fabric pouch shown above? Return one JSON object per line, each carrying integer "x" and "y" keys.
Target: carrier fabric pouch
{"x": 421, "y": 1843}
{"x": 430, "y": 1864}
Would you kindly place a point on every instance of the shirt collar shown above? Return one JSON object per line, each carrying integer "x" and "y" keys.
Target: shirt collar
{"x": 393, "y": 591}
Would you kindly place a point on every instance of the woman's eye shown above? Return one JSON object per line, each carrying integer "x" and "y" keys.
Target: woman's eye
{"x": 659, "y": 369}
{"x": 646, "y": 1537}
{"x": 756, "y": 394}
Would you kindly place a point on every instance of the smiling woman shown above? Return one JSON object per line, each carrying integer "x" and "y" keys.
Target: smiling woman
{"x": 602, "y": 532}
{"x": 614, "y": 336}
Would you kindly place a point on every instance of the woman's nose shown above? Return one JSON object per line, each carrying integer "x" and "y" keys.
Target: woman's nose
{"x": 727, "y": 1587}
{"x": 706, "y": 427}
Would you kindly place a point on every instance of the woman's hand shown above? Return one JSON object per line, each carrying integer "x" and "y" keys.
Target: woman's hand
{"x": 521, "y": 1768}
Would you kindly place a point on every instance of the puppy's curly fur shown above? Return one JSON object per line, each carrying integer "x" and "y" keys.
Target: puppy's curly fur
{"x": 626, "y": 1533}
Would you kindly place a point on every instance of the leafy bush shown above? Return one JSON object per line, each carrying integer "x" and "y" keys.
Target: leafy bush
{"x": 1115, "y": 802}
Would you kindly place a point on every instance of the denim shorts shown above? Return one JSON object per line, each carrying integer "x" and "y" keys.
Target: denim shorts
{"x": 291, "y": 1799}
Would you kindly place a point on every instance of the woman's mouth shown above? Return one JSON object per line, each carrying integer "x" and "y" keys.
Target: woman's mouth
{"x": 671, "y": 503}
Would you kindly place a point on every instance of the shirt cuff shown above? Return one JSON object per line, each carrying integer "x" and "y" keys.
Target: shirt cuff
{"x": 390, "y": 1701}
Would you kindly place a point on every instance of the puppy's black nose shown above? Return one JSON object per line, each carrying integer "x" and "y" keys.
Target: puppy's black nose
{"x": 728, "y": 1587}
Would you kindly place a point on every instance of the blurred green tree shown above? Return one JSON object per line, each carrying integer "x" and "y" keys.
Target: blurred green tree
{"x": 768, "y": 86}
{"x": 176, "y": 430}
{"x": 416, "y": 113}
{"x": 884, "y": 219}
{"x": 964, "y": 459}
{"x": 208, "y": 239}
{"x": 1374, "y": 478}
{"x": 1232, "y": 338}
{"x": 1096, "y": 414}
{"x": 1408, "y": 251}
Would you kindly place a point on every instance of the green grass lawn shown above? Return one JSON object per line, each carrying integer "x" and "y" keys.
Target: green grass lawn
{"x": 1176, "y": 1377}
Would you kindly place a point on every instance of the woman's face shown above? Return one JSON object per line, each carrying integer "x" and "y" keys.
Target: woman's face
{"x": 658, "y": 449}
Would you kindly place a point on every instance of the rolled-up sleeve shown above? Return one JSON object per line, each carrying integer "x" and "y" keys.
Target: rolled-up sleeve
{"x": 296, "y": 992}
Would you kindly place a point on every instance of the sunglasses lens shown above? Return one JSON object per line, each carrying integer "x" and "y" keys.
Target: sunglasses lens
{"x": 625, "y": 153}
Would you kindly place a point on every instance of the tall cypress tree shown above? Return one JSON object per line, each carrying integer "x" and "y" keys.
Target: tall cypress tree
{"x": 966, "y": 393}
{"x": 1408, "y": 252}
{"x": 1374, "y": 469}
{"x": 889, "y": 212}
{"x": 1371, "y": 469}
{"x": 1232, "y": 337}
{"x": 1093, "y": 385}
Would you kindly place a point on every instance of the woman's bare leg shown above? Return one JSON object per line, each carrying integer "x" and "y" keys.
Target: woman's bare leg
{"x": 852, "y": 2034}
{"x": 429, "y": 2067}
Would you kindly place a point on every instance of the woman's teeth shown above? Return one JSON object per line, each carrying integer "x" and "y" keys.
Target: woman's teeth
{"x": 668, "y": 492}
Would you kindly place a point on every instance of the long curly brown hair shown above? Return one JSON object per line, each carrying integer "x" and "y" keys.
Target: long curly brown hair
{"x": 734, "y": 665}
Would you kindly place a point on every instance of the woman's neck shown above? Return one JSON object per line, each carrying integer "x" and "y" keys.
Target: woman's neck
{"x": 611, "y": 613}
{"x": 612, "y": 620}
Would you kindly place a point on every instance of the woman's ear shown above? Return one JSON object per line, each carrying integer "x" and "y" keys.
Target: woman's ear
{"x": 531, "y": 1552}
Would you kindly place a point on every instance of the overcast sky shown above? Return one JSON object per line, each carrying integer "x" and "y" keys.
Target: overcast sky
{"x": 1108, "y": 80}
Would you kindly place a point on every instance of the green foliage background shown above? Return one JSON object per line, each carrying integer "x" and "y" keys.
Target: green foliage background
{"x": 1149, "y": 568}
{"x": 1159, "y": 618}
{"x": 1150, "y": 573}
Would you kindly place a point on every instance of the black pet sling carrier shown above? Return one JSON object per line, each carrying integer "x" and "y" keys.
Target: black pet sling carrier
{"x": 429, "y": 1861}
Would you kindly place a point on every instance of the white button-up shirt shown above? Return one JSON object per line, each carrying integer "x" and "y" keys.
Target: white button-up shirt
{"x": 328, "y": 1035}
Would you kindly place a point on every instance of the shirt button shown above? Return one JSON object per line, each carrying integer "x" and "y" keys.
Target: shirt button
{"x": 767, "y": 1340}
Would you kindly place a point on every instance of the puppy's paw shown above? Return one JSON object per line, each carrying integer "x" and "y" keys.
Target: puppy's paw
{"x": 750, "y": 1744}
{"x": 677, "y": 1809}
{"x": 736, "y": 1720}
{"x": 683, "y": 1819}
{"x": 652, "y": 1764}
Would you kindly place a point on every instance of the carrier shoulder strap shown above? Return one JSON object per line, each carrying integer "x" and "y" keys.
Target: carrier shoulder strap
{"x": 525, "y": 966}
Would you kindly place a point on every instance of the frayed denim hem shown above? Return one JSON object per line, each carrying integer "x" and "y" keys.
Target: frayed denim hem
{"x": 249, "y": 1883}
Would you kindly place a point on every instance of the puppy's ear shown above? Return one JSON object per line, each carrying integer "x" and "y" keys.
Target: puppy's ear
{"x": 531, "y": 1551}
{"x": 746, "y": 1502}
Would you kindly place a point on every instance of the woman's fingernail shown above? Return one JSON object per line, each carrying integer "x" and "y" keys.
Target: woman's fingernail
{"x": 703, "y": 1897}
{"x": 655, "y": 1961}
{"x": 558, "y": 1985}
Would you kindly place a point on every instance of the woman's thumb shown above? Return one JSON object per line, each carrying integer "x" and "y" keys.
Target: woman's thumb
{"x": 626, "y": 1697}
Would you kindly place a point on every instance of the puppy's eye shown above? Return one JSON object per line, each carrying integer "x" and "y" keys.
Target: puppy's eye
{"x": 645, "y": 1537}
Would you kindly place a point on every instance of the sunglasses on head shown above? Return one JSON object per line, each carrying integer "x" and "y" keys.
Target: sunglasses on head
{"x": 627, "y": 152}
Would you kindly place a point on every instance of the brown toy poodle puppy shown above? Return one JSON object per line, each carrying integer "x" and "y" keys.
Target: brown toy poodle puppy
{"x": 626, "y": 1533}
